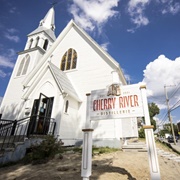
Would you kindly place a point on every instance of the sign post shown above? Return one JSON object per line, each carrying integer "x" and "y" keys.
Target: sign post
{"x": 117, "y": 103}
{"x": 153, "y": 159}
{"x": 86, "y": 166}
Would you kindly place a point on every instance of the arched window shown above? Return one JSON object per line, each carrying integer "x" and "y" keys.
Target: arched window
{"x": 20, "y": 67}
{"x": 63, "y": 63}
{"x": 69, "y": 60}
{"x": 30, "y": 43}
{"x": 45, "y": 44}
{"x": 23, "y": 65}
{"x": 37, "y": 41}
{"x": 26, "y": 64}
{"x": 66, "y": 107}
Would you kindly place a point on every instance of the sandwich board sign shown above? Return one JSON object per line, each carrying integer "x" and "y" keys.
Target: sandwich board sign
{"x": 118, "y": 102}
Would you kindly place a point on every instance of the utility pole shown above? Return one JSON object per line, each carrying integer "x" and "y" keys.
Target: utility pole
{"x": 169, "y": 114}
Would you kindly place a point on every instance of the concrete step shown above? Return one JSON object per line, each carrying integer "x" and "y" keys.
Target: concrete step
{"x": 6, "y": 145}
{"x": 12, "y": 139}
{"x": 135, "y": 146}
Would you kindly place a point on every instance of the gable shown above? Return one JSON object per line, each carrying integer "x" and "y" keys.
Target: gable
{"x": 53, "y": 51}
{"x": 51, "y": 73}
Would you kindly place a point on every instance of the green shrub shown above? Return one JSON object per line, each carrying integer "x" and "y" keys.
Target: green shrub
{"x": 41, "y": 153}
{"x": 141, "y": 133}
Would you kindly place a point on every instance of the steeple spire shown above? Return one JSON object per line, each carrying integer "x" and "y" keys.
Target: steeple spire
{"x": 47, "y": 25}
{"x": 48, "y": 21}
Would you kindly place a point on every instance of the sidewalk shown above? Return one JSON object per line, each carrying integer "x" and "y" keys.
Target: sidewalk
{"x": 172, "y": 145}
{"x": 175, "y": 147}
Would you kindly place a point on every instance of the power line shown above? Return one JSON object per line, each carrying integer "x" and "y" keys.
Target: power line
{"x": 164, "y": 119}
{"x": 175, "y": 105}
{"x": 175, "y": 91}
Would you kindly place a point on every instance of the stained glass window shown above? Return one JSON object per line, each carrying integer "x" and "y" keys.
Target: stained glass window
{"x": 69, "y": 60}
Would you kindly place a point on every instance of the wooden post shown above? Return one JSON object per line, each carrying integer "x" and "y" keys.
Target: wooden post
{"x": 86, "y": 166}
{"x": 153, "y": 159}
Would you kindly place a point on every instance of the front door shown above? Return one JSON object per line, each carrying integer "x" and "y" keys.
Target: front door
{"x": 41, "y": 115}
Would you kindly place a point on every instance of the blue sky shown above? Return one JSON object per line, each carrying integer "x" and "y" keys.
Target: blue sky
{"x": 142, "y": 35}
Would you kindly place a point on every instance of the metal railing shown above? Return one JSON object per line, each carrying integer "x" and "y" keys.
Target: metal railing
{"x": 17, "y": 130}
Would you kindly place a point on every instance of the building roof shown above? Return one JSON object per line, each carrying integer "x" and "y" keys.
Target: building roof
{"x": 63, "y": 81}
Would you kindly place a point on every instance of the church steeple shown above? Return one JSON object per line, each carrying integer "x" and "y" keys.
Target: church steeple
{"x": 48, "y": 21}
{"x": 47, "y": 24}
{"x": 44, "y": 35}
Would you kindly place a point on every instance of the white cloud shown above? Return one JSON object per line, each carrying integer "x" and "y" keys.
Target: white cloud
{"x": 12, "y": 30}
{"x": 6, "y": 62}
{"x": 11, "y": 53}
{"x": 2, "y": 73}
{"x": 11, "y": 37}
{"x": 13, "y": 10}
{"x": 93, "y": 14}
{"x": 105, "y": 46}
{"x": 127, "y": 76}
{"x": 172, "y": 9}
{"x": 136, "y": 10}
{"x": 9, "y": 34}
{"x": 169, "y": 6}
{"x": 159, "y": 73}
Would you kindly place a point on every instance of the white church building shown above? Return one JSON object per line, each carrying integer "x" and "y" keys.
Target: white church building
{"x": 50, "y": 81}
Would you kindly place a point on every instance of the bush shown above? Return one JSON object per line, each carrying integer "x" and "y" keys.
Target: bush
{"x": 41, "y": 153}
{"x": 141, "y": 133}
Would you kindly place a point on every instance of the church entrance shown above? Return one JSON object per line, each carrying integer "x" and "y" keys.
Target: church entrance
{"x": 40, "y": 115}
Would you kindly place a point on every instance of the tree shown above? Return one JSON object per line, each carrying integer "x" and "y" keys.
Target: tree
{"x": 153, "y": 111}
{"x": 167, "y": 128}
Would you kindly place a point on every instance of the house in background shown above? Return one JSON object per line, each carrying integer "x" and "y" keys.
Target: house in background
{"x": 50, "y": 81}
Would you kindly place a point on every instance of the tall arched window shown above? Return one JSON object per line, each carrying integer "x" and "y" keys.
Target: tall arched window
{"x": 30, "y": 43}
{"x": 66, "y": 107}
{"x": 20, "y": 67}
{"x": 23, "y": 65}
{"x": 45, "y": 44}
{"x": 26, "y": 65}
{"x": 69, "y": 60}
{"x": 37, "y": 41}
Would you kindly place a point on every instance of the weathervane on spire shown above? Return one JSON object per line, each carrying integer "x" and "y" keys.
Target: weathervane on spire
{"x": 54, "y": 3}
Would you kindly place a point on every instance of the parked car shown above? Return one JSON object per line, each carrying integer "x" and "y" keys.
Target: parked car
{"x": 171, "y": 139}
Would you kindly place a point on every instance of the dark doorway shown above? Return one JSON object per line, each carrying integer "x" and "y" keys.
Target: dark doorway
{"x": 41, "y": 115}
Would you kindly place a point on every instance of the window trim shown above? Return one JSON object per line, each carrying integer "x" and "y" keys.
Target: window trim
{"x": 45, "y": 45}
{"x": 69, "y": 60}
{"x": 23, "y": 66}
{"x": 30, "y": 43}
{"x": 66, "y": 107}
